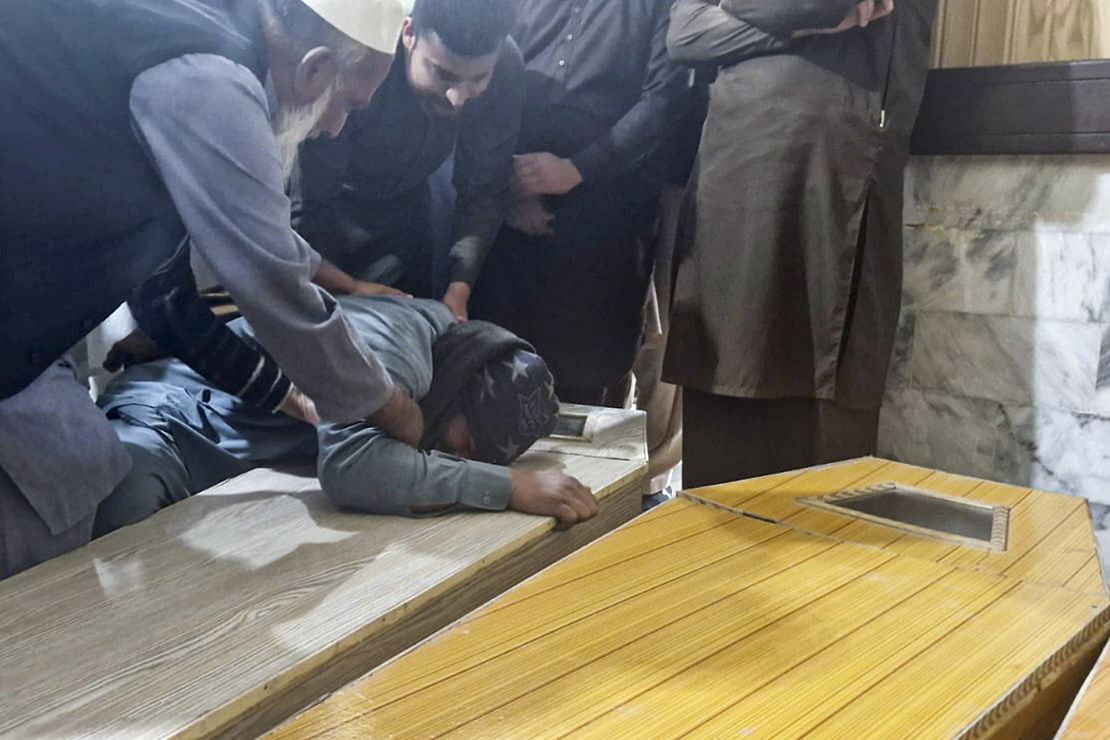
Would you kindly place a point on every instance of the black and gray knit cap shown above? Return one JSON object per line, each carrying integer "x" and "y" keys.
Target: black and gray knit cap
{"x": 509, "y": 405}
{"x": 499, "y": 382}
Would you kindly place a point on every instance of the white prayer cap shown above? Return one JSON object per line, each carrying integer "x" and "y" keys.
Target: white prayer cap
{"x": 372, "y": 23}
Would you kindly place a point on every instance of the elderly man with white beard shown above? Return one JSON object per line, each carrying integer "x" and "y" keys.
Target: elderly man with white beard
{"x": 131, "y": 128}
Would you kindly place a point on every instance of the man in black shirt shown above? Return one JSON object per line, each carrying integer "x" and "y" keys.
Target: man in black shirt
{"x": 362, "y": 200}
{"x": 571, "y": 273}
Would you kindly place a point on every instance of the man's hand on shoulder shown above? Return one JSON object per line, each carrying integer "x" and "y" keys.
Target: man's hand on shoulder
{"x": 400, "y": 418}
{"x": 551, "y": 493}
{"x": 363, "y": 288}
{"x": 457, "y": 298}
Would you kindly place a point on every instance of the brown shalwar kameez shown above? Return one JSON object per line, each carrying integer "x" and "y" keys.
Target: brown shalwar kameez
{"x": 788, "y": 281}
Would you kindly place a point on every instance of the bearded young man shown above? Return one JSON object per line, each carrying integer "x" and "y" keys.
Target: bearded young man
{"x": 456, "y": 90}
{"x": 134, "y": 125}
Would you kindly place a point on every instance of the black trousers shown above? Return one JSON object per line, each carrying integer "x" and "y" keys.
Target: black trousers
{"x": 727, "y": 439}
{"x": 577, "y": 295}
{"x": 388, "y": 241}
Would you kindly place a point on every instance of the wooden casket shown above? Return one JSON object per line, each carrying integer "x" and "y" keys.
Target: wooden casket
{"x": 864, "y": 599}
{"x": 226, "y": 613}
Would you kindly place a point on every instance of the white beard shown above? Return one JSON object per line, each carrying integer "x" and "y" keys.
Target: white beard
{"x": 293, "y": 126}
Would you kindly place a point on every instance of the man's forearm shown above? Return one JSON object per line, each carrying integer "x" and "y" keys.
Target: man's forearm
{"x": 361, "y": 468}
{"x": 468, "y": 254}
{"x": 702, "y": 32}
{"x": 784, "y": 17}
{"x": 648, "y": 124}
{"x": 332, "y": 279}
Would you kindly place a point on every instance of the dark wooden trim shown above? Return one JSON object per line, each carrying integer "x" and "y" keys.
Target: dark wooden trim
{"x": 1061, "y": 108}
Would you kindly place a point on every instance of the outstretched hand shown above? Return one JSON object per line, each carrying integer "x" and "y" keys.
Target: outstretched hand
{"x": 551, "y": 493}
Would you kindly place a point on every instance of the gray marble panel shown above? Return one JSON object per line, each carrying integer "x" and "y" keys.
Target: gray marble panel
{"x": 1062, "y": 276}
{"x": 1104, "y": 359}
{"x": 901, "y": 432}
{"x": 1102, "y": 404}
{"x": 898, "y": 376}
{"x": 1012, "y": 193}
{"x": 1102, "y": 537}
{"x": 1100, "y": 518}
{"x": 1055, "y": 451}
{"x": 1009, "y": 360}
{"x": 959, "y": 270}
{"x": 937, "y": 430}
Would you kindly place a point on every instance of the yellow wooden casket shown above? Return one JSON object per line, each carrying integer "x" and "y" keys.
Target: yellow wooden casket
{"x": 864, "y": 599}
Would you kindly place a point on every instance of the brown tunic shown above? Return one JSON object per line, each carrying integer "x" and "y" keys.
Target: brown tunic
{"x": 789, "y": 277}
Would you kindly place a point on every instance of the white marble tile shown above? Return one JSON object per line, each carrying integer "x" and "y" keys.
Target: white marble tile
{"x": 1102, "y": 537}
{"x": 1102, "y": 402}
{"x": 1009, "y": 360}
{"x": 1100, "y": 518}
{"x": 937, "y": 430}
{"x": 1050, "y": 193}
{"x": 958, "y": 270}
{"x": 1061, "y": 276}
{"x": 1055, "y": 451}
{"x": 930, "y": 267}
{"x": 1104, "y": 359}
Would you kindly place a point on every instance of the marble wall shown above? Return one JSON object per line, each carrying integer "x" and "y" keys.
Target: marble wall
{"x": 1002, "y": 366}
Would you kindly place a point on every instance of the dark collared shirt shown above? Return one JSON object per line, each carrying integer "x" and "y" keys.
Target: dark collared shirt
{"x": 600, "y": 86}
{"x": 391, "y": 148}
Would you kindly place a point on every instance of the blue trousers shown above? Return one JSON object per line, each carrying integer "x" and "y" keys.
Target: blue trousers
{"x": 184, "y": 436}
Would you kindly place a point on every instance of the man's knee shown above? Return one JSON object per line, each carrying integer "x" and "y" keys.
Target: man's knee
{"x": 157, "y": 479}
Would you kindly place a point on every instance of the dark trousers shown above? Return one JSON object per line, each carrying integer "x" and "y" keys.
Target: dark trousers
{"x": 578, "y": 294}
{"x": 613, "y": 395}
{"x": 388, "y": 241}
{"x": 728, "y": 439}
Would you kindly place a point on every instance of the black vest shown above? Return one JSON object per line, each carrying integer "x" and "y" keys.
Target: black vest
{"x": 84, "y": 217}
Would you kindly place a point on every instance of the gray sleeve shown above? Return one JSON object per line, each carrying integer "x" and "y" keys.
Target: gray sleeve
{"x": 784, "y": 17}
{"x": 363, "y": 469}
{"x": 205, "y": 122}
{"x": 701, "y": 32}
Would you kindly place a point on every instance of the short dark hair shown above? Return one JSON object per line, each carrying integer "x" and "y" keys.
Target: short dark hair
{"x": 469, "y": 28}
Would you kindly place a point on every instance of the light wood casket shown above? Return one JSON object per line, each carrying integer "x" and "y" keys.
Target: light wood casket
{"x": 226, "y": 613}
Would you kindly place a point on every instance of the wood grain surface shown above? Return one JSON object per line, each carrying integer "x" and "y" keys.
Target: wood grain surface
{"x": 698, "y": 620}
{"x": 1051, "y": 539}
{"x": 991, "y": 32}
{"x": 226, "y": 613}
